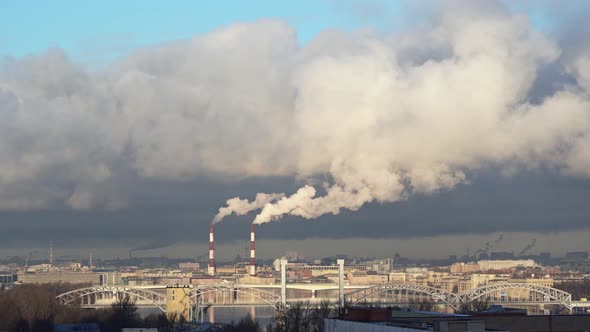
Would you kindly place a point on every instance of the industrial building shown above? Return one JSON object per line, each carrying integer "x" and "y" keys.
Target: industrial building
{"x": 74, "y": 277}
{"x": 498, "y": 319}
{"x": 8, "y": 278}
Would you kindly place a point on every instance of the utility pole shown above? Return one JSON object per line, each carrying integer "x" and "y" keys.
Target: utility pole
{"x": 283, "y": 283}
{"x": 51, "y": 253}
{"x": 340, "y": 263}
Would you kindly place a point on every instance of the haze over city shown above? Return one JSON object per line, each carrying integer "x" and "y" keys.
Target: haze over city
{"x": 382, "y": 127}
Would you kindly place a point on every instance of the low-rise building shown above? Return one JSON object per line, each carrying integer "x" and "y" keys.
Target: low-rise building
{"x": 59, "y": 276}
{"x": 486, "y": 265}
{"x": 464, "y": 267}
{"x": 191, "y": 266}
{"x": 256, "y": 280}
{"x": 7, "y": 278}
{"x": 367, "y": 278}
{"x": 397, "y": 277}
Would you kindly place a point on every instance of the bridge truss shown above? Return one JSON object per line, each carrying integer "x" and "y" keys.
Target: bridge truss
{"x": 490, "y": 292}
{"x": 232, "y": 294}
{"x": 385, "y": 293}
{"x": 229, "y": 294}
{"x": 92, "y": 294}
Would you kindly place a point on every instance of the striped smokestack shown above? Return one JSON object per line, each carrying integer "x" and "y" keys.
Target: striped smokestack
{"x": 252, "y": 252}
{"x": 211, "y": 267}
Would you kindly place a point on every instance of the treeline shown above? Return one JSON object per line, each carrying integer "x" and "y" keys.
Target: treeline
{"x": 34, "y": 308}
{"x": 300, "y": 317}
{"x": 578, "y": 288}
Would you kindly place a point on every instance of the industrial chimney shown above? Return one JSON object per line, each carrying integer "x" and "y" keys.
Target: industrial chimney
{"x": 252, "y": 252}
{"x": 211, "y": 268}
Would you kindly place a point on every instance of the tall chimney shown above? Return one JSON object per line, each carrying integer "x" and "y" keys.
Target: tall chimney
{"x": 252, "y": 252}
{"x": 211, "y": 268}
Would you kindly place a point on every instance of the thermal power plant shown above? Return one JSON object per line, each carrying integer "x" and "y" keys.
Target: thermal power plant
{"x": 252, "y": 268}
{"x": 211, "y": 268}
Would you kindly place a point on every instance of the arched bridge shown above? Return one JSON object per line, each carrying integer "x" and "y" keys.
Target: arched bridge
{"x": 106, "y": 295}
{"x": 236, "y": 294}
{"x": 385, "y": 293}
{"x": 531, "y": 294}
{"x": 214, "y": 294}
{"x": 497, "y": 293}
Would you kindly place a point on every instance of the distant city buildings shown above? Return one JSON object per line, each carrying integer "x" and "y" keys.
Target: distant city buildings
{"x": 192, "y": 266}
{"x": 486, "y": 265}
{"x": 73, "y": 277}
{"x": 448, "y": 275}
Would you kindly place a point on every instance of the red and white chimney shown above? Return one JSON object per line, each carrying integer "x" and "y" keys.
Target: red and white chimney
{"x": 211, "y": 267}
{"x": 252, "y": 269}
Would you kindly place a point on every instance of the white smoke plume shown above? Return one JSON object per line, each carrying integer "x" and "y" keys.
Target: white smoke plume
{"x": 378, "y": 116}
{"x": 241, "y": 207}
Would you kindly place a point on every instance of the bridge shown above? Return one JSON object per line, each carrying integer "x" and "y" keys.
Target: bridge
{"x": 233, "y": 294}
{"x": 504, "y": 293}
{"x": 103, "y": 296}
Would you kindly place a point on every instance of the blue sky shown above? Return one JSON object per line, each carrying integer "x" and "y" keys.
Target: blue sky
{"x": 98, "y": 30}
{"x": 95, "y": 32}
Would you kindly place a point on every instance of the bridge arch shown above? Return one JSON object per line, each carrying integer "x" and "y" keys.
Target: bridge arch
{"x": 272, "y": 299}
{"x": 156, "y": 299}
{"x": 436, "y": 293}
{"x": 552, "y": 294}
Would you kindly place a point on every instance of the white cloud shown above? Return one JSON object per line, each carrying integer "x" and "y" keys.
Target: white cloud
{"x": 381, "y": 116}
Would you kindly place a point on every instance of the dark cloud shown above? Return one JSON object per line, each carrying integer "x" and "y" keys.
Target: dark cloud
{"x": 181, "y": 213}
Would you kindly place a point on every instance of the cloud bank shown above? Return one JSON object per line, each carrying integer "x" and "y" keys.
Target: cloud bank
{"x": 371, "y": 117}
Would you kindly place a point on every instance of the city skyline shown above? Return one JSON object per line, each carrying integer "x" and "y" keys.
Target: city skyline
{"x": 388, "y": 127}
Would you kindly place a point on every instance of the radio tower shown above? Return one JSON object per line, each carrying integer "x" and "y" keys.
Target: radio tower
{"x": 51, "y": 253}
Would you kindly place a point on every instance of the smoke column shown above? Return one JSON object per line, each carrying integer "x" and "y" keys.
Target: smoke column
{"x": 528, "y": 247}
{"x": 305, "y": 204}
{"x": 240, "y": 206}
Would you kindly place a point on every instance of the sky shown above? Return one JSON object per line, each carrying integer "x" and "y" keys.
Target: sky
{"x": 96, "y": 32}
{"x": 424, "y": 128}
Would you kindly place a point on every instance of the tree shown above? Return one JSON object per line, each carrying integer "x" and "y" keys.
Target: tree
{"x": 303, "y": 317}
{"x": 122, "y": 314}
{"x": 578, "y": 288}
{"x": 246, "y": 324}
{"x": 422, "y": 306}
{"x": 475, "y": 306}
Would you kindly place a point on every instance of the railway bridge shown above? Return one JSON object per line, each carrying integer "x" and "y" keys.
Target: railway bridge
{"x": 233, "y": 294}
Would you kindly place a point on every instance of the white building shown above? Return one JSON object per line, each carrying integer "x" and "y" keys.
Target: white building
{"x": 505, "y": 264}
